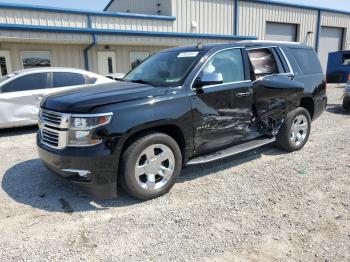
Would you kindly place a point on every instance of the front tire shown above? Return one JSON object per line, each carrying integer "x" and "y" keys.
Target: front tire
{"x": 150, "y": 166}
{"x": 295, "y": 130}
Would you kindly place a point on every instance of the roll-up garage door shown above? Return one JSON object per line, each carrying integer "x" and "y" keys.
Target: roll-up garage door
{"x": 331, "y": 40}
{"x": 281, "y": 32}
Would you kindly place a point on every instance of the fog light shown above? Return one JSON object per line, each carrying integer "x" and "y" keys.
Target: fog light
{"x": 81, "y": 173}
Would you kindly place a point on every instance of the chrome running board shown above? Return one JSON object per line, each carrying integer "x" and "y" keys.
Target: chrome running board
{"x": 235, "y": 150}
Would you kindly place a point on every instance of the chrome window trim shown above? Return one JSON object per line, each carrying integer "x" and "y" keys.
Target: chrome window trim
{"x": 207, "y": 60}
{"x": 229, "y": 83}
{"x": 287, "y": 60}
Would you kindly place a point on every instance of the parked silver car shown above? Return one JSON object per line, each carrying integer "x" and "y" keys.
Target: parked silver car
{"x": 22, "y": 91}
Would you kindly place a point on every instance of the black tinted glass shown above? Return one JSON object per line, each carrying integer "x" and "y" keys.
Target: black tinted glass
{"x": 228, "y": 63}
{"x": 63, "y": 79}
{"x": 307, "y": 60}
{"x": 27, "y": 82}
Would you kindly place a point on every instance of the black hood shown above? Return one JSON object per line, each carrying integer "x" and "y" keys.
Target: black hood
{"x": 82, "y": 100}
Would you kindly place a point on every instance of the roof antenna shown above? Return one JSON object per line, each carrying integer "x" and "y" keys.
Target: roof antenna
{"x": 199, "y": 45}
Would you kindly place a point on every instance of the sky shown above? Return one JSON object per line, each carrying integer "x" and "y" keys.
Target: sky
{"x": 98, "y": 5}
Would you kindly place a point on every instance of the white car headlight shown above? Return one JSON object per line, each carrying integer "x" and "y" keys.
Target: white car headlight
{"x": 81, "y": 128}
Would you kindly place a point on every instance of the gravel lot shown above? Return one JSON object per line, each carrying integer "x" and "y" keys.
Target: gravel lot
{"x": 260, "y": 206}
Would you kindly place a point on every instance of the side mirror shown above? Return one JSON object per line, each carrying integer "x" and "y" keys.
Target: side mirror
{"x": 211, "y": 79}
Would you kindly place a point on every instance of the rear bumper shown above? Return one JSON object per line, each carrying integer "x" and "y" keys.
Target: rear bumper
{"x": 320, "y": 106}
{"x": 92, "y": 169}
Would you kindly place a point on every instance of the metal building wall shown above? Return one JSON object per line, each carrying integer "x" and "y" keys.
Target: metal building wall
{"x": 28, "y": 17}
{"x": 141, "y": 6}
{"x": 122, "y": 55}
{"x": 212, "y": 16}
{"x": 253, "y": 17}
{"x": 61, "y": 55}
{"x": 338, "y": 20}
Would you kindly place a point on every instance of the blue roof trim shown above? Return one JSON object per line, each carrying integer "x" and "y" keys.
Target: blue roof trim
{"x": 85, "y": 12}
{"x": 108, "y": 5}
{"x": 310, "y": 7}
{"x": 35, "y": 28}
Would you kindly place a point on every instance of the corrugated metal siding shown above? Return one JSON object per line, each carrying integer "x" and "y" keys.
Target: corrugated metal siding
{"x": 61, "y": 55}
{"x": 119, "y": 23}
{"x": 141, "y": 6}
{"x": 26, "y": 36}
{"x": 253, "y": 17}
{"x": 212, "y": 16}
{"x": 338, "y": 20}
{"x": 152, "y": 41}
{"x": 27, "y": 17}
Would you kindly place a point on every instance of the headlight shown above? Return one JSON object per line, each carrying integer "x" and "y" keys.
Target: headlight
{"x": 82, "y": 127}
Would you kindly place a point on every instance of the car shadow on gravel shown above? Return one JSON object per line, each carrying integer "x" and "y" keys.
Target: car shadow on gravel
{"x": 18, "y": 131}
{"x": 32, "y": 184}
{"x": 337, "y": 109}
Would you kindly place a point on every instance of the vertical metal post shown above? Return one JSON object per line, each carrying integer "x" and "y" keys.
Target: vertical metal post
{"x": 318, "y": 31}
{"x": 235, "y": 17}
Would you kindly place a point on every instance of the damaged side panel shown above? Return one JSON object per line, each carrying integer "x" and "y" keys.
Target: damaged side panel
{"x": 19, "y": 108}
{"x": 274, "y": 97}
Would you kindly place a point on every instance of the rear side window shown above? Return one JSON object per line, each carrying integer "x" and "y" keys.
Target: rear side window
{"x": 63, "y": 79}
{"x": 307, "y": 60}
{"x": 27, "y": 82}
{"x": 263, "y": 61}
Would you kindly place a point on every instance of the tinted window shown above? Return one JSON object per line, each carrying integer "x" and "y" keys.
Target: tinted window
{"x": 229, "y": 63}
{"x": 263, "y": 61}
{"x": 307, "y": 60}
{"x": 346, "y": 59}
{"x": 63, "y": 79}
{"x": 27, "y": 82}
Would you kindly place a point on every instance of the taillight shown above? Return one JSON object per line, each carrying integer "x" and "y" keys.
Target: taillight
{"x": 348, "y": 78}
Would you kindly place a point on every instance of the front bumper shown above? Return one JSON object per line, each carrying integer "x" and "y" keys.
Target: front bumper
{"x": 97, "y": 164}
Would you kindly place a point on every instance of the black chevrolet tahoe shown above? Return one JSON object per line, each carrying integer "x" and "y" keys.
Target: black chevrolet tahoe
{"x": 182, "y": 106}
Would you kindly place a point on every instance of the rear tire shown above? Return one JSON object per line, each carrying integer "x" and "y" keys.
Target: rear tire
{"x": 150, "y": 166}
{"x": 295, "y": 130}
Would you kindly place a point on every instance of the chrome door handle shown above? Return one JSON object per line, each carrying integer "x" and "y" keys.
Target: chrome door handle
{"x": 243, "y": 94}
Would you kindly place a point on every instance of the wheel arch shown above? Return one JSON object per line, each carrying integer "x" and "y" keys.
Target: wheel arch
{"x": 309, "y": 104}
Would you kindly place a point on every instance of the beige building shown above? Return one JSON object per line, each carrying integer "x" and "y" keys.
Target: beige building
{"x": 128, "y": 30}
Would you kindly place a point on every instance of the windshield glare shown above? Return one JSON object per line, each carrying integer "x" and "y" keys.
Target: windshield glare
{"x": 165, "y": 69}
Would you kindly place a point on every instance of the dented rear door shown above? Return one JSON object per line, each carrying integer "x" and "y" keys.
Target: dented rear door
{"x": 20, "y": 100}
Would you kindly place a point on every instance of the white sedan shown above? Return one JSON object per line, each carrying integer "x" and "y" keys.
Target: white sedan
{"x": 22, "y": 91}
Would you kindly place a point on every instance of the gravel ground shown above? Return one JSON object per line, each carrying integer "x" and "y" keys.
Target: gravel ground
{"x": 260, "y": 206}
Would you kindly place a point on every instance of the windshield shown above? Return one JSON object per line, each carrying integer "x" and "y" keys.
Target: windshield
{"x": 164, "y": 69}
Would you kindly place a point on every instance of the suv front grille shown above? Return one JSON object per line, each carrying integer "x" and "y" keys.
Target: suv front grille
{"x": 51, "y": 117}
{"x": 53, "y": 128}
{"x": 50, "y": 137}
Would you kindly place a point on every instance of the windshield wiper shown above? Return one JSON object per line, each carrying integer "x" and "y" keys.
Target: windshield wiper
{"x": 141, "y": 81}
